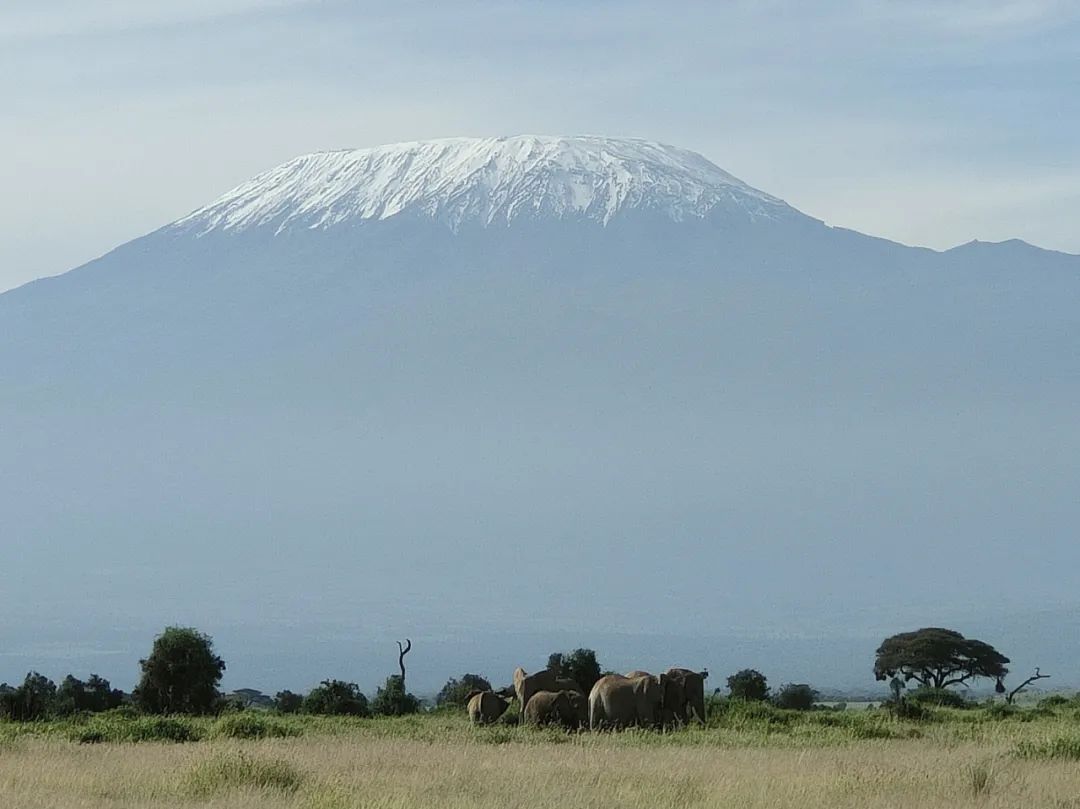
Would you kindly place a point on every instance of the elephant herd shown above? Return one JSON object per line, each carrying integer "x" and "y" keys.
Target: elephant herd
{"x": 636, "y": 699}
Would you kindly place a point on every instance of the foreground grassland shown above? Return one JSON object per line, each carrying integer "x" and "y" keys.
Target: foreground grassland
{"x": 756, "y": 757}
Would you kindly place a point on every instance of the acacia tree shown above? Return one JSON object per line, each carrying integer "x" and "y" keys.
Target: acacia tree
{"x": 938, "y": 658}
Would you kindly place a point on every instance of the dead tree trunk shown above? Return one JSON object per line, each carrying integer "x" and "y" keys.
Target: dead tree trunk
{"x": 402, "y": 651}
{"x": 1036, "y": 676}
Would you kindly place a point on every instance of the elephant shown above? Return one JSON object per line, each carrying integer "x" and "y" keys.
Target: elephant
{"x": 580, "y": 703}
{"x": 486, "y": 707}
{"x": 525, "y": 685}
{"x": 688, "y": 695}
{"x": 553, "y": 708}
{"x": 674, "y": 701}
{"x": 617, "y": 701}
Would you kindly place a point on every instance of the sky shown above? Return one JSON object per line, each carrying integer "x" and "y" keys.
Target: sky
{"x": 925, "y": 121}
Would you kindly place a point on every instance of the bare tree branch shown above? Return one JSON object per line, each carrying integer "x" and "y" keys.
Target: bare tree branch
{"x": 1036, "y": 676}
{"x": 402, "y": 651}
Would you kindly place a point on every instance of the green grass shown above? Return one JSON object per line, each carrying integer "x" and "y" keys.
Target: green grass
{"x": 731, "y": 725}
{"x": 1064, "y": 748}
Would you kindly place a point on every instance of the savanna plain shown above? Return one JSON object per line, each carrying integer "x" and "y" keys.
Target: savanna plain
{"x": 746, "y": 756}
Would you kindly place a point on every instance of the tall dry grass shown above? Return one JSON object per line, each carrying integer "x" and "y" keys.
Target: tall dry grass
{"x": 340, "y": 771}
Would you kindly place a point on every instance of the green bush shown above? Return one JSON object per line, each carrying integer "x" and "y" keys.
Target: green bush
{"x": 456, "y": 690}
{"x": 938, "y": 697}
{"x": 796, "y": 697}
{"x": 1054, "y": 701}
{"x": 249, "y": 725}
{"x": 336, "y": 698}
{"x": 393, "y": 700}
{"x": 749, "y": 685}
{"x": 142, "y": 729}
{"x": 1000, "y": 710}
{"x": 906, "y": 709}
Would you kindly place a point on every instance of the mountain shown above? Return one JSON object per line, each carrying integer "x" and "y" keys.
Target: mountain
{"x": 530, "y": 387}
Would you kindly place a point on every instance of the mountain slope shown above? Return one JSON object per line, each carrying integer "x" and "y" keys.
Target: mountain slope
{"x": 588, "y": 384}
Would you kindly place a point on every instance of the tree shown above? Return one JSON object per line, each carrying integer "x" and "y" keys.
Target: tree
{"x": 938, "y": 658}
{"x": 796, "y": 697}
{"x": 101, "y": 696}
{"x": 33, "y": 700}
{"x": 456, "y": 691}
{"x": 181, "y": 675}
{"x": 393, "y": 700}
{"x": 95, "y": 695}
{"x": 336, "y": 698}
{"x": 288, "y": 702}
{"x": 749, "y": 685}
{"x": 579, "y": 665}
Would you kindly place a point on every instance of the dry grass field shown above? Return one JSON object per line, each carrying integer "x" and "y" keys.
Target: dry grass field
{"x": 442, "y": 762}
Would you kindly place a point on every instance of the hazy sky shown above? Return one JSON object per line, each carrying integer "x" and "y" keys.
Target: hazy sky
{"x": 926, "y": 121}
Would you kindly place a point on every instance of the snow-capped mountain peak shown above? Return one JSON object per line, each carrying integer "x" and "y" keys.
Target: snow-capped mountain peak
{"x": 487, "y": 181}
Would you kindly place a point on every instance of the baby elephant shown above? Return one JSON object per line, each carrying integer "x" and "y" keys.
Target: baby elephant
{"x": 486, "y": 707}
{"x": 567, "y": 709}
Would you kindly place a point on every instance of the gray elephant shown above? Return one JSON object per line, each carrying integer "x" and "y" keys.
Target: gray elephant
{"x": 525, "y": 685}
{"x": 687, "y": 694}
{"x": 616, "y": 701}
{"x": 553, "y": 708}
{"x": 486, "y": 707}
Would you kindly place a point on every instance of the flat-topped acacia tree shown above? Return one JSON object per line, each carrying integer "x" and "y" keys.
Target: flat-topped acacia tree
{"x": 938, "y": 658}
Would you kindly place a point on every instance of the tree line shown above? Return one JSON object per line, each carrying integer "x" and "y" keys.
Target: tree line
{"x": 182, "y": 675}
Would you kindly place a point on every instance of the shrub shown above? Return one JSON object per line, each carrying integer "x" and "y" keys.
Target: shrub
{"x": 455, "y": 691}
{"x": 336, "y": 698}
{"x": 940, "y": 697}
{"x": 393, "y": 700}
{"x": 796, "y": 697}
{"x": 906, "y": 709}
{"x": 1054, "y": 701}
{"x": 252, "y": 726}
{"x": 142, "y": 729}
{"x": 749, "y": 685}
{"x": 1000, "y": 710}
{"x": 240, "y": 771}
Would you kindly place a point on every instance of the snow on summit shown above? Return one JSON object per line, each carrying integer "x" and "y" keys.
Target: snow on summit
{"x": 485, "y": 180}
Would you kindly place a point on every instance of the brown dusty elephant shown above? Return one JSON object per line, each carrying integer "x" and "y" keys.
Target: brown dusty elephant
{"x": 525, "y": 685}
{"x": 553, "y": 708}
{"x": 617, "y": 701}
{"x": 688, "y": 695}
{"x": 674, "y": 702}
{"x": 486, "y": 707}
{"x": 580, "y": 703}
